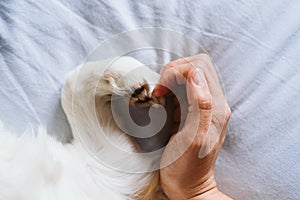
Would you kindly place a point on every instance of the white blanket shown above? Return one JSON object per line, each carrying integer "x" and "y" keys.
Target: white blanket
{"x": 255, "y": 44}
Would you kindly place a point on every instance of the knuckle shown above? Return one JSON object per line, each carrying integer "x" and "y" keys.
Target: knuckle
{"x": 201, "y": 66}
{"x": 191, "y": 72}
{"x": 205, "y": 103}
{"x": 204, "y": 61}
{"x": 204, "y": 57}
{"x": 176, "y": 63}
{"x": 227, "y": 112}
{"x": 168, "y": 66}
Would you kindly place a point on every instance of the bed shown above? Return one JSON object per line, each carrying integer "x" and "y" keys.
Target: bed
{"x": 255, "y": 46}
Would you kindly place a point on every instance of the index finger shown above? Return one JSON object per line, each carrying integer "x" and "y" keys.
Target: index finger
{"x": 170, "y": 77}
{"x": 200, "y": 61}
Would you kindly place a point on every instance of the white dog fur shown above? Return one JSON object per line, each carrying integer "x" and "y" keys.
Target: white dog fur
{"x": 35, "y": 166}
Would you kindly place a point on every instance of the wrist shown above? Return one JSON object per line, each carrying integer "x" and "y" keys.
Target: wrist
{"x": 206, "y": 191}
{"x": 212, "y": 194}
{"x": 178, "y": 191}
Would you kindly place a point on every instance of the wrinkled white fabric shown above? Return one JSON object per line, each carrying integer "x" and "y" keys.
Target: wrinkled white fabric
{"x": 255, "y": 44}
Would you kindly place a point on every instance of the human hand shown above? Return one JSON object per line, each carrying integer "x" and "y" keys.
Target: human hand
{"x": 188, "y": 161}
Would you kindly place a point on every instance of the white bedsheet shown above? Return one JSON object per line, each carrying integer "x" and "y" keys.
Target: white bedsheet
{"x": 255, "y": 44}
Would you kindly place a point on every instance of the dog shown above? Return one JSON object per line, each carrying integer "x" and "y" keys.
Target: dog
{"x": 101, "y": 161}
